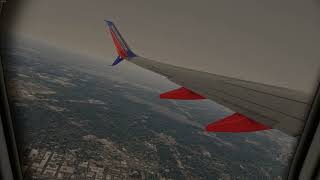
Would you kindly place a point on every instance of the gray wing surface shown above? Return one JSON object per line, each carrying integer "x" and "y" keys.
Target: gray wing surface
{"x": 276, "y": 107}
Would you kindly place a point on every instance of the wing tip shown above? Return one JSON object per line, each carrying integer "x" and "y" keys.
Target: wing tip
{"x": 108, "y": 22}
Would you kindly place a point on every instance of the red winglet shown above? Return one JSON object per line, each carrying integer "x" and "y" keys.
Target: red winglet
{"x": 236, "y": 123}
{"x": 182, "y": 94}
{"x": 117, "y": 44}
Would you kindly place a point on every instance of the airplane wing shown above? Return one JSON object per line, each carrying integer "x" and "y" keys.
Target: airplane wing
{"x": 257, "y": 106}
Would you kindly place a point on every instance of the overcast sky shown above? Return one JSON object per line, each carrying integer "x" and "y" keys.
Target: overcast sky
{"x": 271, "y": 41}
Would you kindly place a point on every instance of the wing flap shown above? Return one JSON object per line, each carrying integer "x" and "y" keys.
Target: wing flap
{"x": 182, "y": 94}
{"x": 236, "y": 123}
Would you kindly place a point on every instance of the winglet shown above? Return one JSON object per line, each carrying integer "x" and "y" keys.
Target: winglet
{"x": 122, "y": 47}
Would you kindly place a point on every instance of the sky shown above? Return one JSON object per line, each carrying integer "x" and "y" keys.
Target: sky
{"x": 273, "y": 42}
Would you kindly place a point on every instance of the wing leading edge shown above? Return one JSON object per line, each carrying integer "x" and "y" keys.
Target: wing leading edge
{"x": 257, "y": 106}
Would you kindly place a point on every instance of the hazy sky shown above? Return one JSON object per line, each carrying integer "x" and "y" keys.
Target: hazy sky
{"x": 272, "y": 41}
